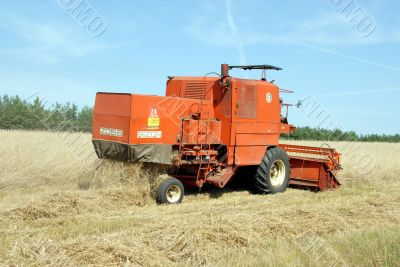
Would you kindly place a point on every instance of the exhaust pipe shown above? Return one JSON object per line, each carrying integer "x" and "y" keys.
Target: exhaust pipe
{"x": 224, "y": 71}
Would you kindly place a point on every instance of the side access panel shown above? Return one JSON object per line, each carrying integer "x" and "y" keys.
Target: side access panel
{"x": 111, "y": 117}
{"x": 201, "y": 131}
{"x": 255, "y": 120}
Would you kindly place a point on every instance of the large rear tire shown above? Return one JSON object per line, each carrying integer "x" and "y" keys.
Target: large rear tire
{"x": 273, "y": 173}
{"x": 170, "y": 191}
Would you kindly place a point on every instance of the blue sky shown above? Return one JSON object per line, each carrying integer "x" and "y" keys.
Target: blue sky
{"x": 353, "y": 77}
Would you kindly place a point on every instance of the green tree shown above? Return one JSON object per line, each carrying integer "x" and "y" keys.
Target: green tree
{"x": 16, "y": 113}
{"x": 85, "y": 118}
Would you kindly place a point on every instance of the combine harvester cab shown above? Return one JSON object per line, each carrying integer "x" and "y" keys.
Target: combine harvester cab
{"x": 205, "y": 129}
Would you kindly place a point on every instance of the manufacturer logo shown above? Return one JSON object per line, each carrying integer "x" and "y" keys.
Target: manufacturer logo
{"x": 111, "y": 132}
{"x": 268, "y": 98}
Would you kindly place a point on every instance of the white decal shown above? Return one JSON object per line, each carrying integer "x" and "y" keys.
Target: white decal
{"x": 268, "y": 98}
{"x": 111, "y": 132}
{"x": 153, "y": 112}
{"x": 149, "y": 134}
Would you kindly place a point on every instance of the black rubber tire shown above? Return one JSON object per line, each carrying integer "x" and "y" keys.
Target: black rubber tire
{"x": 162, "y": 191}
{"x": 262, "y": 181}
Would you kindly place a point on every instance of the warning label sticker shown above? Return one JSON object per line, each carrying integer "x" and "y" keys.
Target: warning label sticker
{"x": 153, "y": 121}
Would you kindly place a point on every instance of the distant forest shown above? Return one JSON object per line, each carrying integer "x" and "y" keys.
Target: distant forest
{"x": 16, "y": 113}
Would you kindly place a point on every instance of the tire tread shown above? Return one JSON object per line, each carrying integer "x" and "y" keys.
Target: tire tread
{"x": 261, "y": 179}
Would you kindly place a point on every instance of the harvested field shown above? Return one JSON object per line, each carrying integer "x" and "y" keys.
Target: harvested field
{"x": 59, "y": 205}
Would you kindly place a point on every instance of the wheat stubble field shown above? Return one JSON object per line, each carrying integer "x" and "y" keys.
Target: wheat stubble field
{"x": 60, "y": 206}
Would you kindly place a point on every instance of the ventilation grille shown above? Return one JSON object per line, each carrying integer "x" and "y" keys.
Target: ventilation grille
{"x": 195, "y": 90}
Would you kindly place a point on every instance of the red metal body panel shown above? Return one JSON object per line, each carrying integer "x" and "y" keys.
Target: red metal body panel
{"x": 249, "y": 155}
{"x": 167, "y": 119}
{"x": 313, "y": 167}
{"x": 111, "y": 113}
{"x": 201, "y": 132}
{"x": 311, "y": 173}
{"x": 214, "y": 124}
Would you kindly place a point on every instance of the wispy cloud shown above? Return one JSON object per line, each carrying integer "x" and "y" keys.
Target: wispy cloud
{"x": 210, "y": 32}
{"x": 366, "y": 112}
{"x": 317, "y": 33}
{"x": 234, "y": 31}
{"x": 48, "y": 42}
{"x": 213, "y": 29}
{"x": 358, "y": 93}
{"x": 331, "y": 29}
{"x": 328, "y": 28}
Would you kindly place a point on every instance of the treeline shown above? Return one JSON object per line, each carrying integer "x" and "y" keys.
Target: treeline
{"x": 16, "y": 113}
{"x": 307, "y": 133}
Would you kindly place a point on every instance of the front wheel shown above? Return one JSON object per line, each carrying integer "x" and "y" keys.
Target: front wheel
{"x": 170, "y": 191}
{"x": 273, "y": 173}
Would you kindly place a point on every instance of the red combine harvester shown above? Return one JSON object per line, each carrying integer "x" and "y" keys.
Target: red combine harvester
{"x": 206, "y": 129}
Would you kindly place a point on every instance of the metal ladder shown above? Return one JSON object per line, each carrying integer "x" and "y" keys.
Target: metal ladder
{"x": 203, "y": 166}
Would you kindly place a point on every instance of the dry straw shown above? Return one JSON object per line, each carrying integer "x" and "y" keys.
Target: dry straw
{"x": 60, "y": 208}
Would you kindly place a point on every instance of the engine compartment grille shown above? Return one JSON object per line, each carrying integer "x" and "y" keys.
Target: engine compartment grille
{"x": 195, "y": 90}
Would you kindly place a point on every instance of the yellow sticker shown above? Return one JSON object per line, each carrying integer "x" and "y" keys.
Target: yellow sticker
{"x": 153, "y": 122}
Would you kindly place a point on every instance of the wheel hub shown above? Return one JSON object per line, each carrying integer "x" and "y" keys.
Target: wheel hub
{"x": 173, "y": 193}
{"x": 277, "y": 173}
